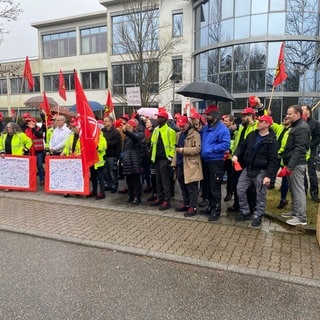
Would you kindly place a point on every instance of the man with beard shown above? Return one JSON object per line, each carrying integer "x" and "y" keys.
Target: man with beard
{"x": 163, "y": 142}
{"x": 248, "y": 124}
{"x": 215, "y": 141}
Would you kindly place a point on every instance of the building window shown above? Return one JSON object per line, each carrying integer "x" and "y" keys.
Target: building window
{"x": 177, "y": 69}
{"x": 126, "y": 76}
{"x": 59, "y": 45}
{"x": 51, "y": 82}
{"x": 93, "y": 40}
{"x": 17, "y": 82}
{"x": 3, "y": 86}
{"x": 135, "y": 32}
{"x": 177, "y": 25}
{"x": 94, "y": 80}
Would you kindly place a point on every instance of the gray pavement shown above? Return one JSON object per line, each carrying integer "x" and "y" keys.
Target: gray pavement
{"x": 43, "y": 279}
{"x": 272, "y": 251}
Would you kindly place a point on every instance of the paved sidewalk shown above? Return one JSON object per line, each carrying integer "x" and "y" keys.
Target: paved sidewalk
{"x": 273, "y": 251}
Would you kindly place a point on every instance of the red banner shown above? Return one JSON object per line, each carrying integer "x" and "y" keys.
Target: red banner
{"x": 27, "y": 74}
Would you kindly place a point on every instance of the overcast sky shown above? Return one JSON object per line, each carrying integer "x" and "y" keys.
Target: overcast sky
{"x": 22, "y": 39}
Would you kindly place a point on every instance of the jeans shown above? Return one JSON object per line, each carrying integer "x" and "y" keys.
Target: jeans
{"x": 40, "y": 160}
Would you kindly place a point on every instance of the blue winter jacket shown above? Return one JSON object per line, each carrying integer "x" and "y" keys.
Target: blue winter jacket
{"x": 215, "y": 141}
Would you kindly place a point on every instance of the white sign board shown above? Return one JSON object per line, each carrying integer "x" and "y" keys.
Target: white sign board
{"x": 134, "y": 96}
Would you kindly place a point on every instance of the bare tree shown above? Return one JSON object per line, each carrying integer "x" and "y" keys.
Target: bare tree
{"x": 141, "y": 41}
{"x": 9, "y": 11}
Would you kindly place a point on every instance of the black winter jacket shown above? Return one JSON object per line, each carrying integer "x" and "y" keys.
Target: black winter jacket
{"x": 263, "y": 156}
{"x": 297, "y": 144}
{"x": 114, "y": 142}
{"x": 132, "y": 152}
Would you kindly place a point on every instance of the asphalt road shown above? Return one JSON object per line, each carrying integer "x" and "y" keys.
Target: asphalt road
{"x": 46, "y": 279}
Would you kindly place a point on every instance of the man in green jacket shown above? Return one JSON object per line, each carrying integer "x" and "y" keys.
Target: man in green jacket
{"x": 163, "y": 142}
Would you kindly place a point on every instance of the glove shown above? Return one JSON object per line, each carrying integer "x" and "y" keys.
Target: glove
{"x": 284, "y": 172}
{"x": 25, "y": 152}
{"x": 237, "y": 166}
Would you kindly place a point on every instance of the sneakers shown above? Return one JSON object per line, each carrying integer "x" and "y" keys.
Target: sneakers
{"x": 191, "y": 212}
{"x": 243, "y": 217}
{"x": 214, "y": 216}
{"x": 136, "y": 201}
{"x": 182, "y": 208}
{"x": 287, "y": 215}
{"x": 155, "y": 203}
{"x": 205, "y": 212}
{"x": 256, "y": 222}
{"x": 295, "y": 221}
{"x": 282, "y": 204}
{"x": 164, "y": 206}
{"x": 100, "y": 196}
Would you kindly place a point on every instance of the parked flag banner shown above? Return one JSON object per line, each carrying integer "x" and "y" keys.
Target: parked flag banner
{"x": 109, "y": 104}
{"x": 27, "y": 74}
{"x": 66, "y": 175}
{"x": 280, "y": 74}
{"x": 89, "y": 130}
{"x": 18, "y": 173}
{"x": 62, "y": 86}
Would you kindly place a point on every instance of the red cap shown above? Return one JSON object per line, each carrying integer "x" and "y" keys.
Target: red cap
{"x": 267, "y": 119}
{"x": 252, "y": 101}
{"x": 125, "y": 117}
{"x": 163, "y": 114}
{"x": 26, "y": 115}
{"x": 212, "y": 109}
{"x": 195, "y": 115}
{"x": 177, "y": 115}
{"x": 248, "y": 111}
{"x": 182, "y": 121}
{"x": 1, "y": 115}
{"x": 132, "y": 122}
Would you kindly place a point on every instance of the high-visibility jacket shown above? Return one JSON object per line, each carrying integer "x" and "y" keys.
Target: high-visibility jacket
{"x": 67, "y": 150}
{"x": 102, "y": 147}
{"x": 250, "y": 128}
{"x": 168, "y": 136}
{"x": 19, "y": 142}
{"x": 49, "y": 134}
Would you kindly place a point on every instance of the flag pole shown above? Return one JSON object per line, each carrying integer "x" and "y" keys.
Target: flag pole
{"x": 269, "y": 105}
{"x": 315, "y": 106}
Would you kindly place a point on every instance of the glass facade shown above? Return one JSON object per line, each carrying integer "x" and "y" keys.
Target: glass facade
{"x": 59, "y": 45}
{"x": 128, "y": 38}
{"x": 93, "y": 40}
{"x": 237, "y": 45}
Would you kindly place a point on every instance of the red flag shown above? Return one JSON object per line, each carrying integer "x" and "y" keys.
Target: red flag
{"x": 89, "y": 130}
{"x": 62, "y": 86}
{"x": 280, "y": 74}
{"x": 27, "y": 74}
{"x": 45, "y": 105}
{"x": 109, "y": 104}
{"x": 12, "y": 113}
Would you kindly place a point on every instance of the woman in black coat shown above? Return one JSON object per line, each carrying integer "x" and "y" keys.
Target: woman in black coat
{"x": 132, "y": 160}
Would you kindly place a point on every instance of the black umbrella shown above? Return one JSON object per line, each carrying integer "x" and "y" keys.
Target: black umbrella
{"x": 206, "y": 91}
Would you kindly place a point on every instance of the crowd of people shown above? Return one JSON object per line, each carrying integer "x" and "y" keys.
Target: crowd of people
{"x": 199, "y": 151}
